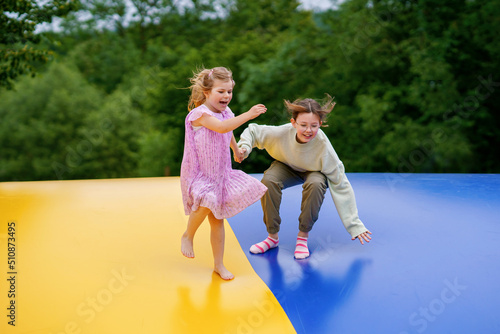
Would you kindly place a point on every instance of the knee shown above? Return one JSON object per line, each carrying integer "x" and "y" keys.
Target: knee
{"x": 203, "y": 211}
{"x": 272, "y": 182}
{"x": 317, "y": 185}
{"x": 216, "y": 223}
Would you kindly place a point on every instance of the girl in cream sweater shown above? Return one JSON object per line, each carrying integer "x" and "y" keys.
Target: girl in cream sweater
{"x": 303, "y": 155}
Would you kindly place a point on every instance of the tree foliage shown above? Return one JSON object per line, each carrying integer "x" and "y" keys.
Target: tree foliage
{"x": 40, "y": 124}
{"x": 416, "y": 84}
{"x": 18, "y": 21}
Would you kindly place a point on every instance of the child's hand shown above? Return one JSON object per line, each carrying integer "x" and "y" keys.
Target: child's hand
{"x": 239, "y": 155}
{"x": 365, "y": 236}
{"x": 243, "y": 152}
{"x": 257, "y": 110}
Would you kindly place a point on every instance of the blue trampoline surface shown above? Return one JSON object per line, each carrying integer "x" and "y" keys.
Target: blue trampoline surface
{"x": 432, "y": 266}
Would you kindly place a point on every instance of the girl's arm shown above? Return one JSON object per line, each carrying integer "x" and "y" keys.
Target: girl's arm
{"x": 238, "y": 154}
{"x": 227, "y": 125}
{"x": 234, "y": 144}
{"x": 260, "y": 136}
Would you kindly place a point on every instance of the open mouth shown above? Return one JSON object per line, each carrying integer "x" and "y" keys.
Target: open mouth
{"x": 305, "y": 138}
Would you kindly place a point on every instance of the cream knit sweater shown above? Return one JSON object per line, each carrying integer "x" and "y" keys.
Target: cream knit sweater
{"x": 316, "y": 155}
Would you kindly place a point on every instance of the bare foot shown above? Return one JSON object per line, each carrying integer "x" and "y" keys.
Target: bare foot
{"x": 187, "y": 247}
{"x": 224, "y": 273}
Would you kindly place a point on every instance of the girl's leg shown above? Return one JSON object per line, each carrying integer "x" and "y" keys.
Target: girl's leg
{"x": 313, "y": 193}
{"x": 195, "y": 219}
{"x": 270, "y": 242}
{"x": 303, "y": 235}
{"x": 276, "y": 178}
{"x": 301, "y": 249}
{"x": 217, "y": 238}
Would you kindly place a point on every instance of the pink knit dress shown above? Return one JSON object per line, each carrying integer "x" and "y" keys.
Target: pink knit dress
{"x": 207, "y": 178}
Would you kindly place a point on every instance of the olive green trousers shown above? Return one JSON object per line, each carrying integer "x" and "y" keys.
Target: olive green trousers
{"x": 280, "y": 176}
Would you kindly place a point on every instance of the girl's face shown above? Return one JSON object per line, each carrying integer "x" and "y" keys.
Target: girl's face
{"x": 219, "y": 97}
{"x": 307, "y": 125}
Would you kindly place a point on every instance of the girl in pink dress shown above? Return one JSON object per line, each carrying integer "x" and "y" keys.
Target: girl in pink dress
{"x": 210, "y": 187}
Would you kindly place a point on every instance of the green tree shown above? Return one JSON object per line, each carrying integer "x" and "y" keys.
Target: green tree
{"x": 106, "y": 60}
{"x": 18, "y": 37}
{"x": 403, "y": 102}
{"x": 398, "y": 85}
{"x": 40, "y": 123}
{"x": 160, "y": 153}
{"x": 415, "y": 83}
{"x": 110, "y": 140}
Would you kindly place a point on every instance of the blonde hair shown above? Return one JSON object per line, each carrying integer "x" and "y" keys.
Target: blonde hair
{"x": 311, "y": 106}
{"x": 203, "y": 81}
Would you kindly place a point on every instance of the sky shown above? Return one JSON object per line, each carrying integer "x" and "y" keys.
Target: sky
{"x": 315, "y": 5}
{"x": 319, "y": 4}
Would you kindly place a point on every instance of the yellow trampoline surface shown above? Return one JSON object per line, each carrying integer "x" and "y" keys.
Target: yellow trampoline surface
{"x": 103, "y": 256}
